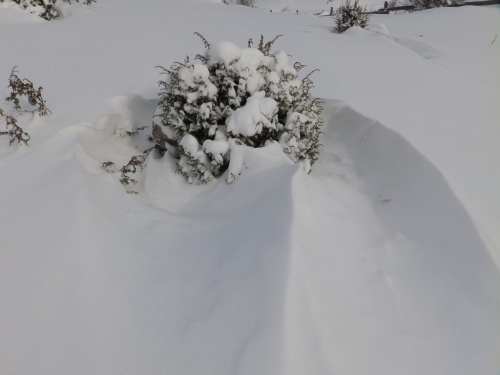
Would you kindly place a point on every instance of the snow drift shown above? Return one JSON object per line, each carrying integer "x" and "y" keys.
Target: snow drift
{"x": 375, "y": 263}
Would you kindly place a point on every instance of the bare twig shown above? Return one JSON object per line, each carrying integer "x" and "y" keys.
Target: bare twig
{"x": 205, "y": 42}
{"x": 16, "y": 133}
{"x": 24, "y": 87}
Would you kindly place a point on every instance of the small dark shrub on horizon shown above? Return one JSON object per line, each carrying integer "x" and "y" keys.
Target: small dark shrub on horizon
{"x": 348, "y": 15}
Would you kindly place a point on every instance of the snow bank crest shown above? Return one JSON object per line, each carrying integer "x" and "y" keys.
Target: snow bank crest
{"x": 422, "y": 49}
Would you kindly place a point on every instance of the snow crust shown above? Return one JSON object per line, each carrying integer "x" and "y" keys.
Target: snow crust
{"x": 382, "y": 261}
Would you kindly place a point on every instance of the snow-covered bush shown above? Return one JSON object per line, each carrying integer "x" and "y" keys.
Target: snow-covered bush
{"x": 232, "y": 96}
{"x": 44, "y": 8}
{"x": 247, "y": 3}
{"x": 425, "y": 4}
{"x": 15, "y": 132}
{"x": 348, "y": 15}
{"x": 22, "y": 88}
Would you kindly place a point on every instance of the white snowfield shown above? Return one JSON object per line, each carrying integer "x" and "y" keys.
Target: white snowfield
{"x": 384, "y": 260}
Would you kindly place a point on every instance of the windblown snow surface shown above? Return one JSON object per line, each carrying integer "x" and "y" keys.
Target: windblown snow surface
{"x": 384, "y": 260}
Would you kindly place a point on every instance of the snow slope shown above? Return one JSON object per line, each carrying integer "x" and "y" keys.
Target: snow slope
{"x": 380, "y": 261}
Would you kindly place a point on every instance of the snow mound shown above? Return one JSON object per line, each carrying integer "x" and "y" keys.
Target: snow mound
{"x": 246, "y": 278}
{"x": 379, "y": 28}
{"x": 421, "y": 49}
{"x": 255, "y": 168}
{"x": 409, "y": 257}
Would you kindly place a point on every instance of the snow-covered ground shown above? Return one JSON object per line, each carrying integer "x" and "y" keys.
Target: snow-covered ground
{"x": 309, "y": 6}
{"x": 384, "y": 260}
